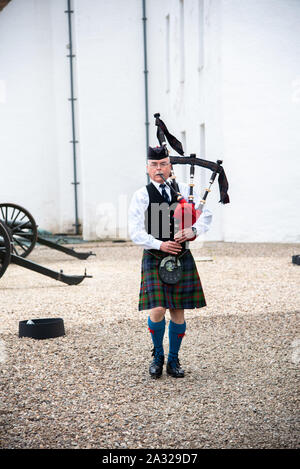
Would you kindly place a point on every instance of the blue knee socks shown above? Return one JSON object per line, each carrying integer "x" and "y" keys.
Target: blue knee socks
{"x": 176, "y": 333}
{"x": 157, "y": 330}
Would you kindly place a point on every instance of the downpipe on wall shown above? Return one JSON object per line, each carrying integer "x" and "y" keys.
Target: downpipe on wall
{"x": 74, "y": 141}
{"x": 146, "y": 80}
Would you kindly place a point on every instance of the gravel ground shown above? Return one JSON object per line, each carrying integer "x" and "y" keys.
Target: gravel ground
{"x": 91, "y": 387}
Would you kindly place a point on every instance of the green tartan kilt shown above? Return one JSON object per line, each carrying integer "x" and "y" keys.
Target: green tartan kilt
{"x": 186, "y": 294}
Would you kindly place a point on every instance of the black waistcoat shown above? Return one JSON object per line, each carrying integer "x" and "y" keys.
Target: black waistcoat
{"x": 159, "y": 221}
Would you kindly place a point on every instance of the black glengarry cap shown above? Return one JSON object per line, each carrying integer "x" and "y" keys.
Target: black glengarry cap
{"x": 157, "y": 153}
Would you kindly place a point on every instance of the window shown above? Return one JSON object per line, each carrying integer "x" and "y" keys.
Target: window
{"x": 185, "y": 168}
{"x": 201, "y": 35}
{"x": 167, "y": 53}
{"x": 181, "y": 45}
{"x": 202, "y": 156}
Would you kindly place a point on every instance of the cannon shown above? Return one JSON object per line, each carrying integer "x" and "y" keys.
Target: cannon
{"x": 8, "y": 256}
{"x": 23, "y": 230}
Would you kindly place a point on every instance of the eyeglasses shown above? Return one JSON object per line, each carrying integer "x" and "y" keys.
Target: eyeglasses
{"x": 156, "y": 165}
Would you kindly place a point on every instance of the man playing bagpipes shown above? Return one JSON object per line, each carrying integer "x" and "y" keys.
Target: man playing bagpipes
{"x": 163, "y": 223}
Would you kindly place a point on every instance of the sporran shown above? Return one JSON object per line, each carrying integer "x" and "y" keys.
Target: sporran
{"x": 170, "y": 270}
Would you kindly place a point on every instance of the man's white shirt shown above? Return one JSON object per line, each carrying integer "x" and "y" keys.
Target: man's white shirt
{"x": 139, "y": 204}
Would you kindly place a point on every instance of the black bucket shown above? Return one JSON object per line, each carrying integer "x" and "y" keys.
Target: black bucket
{"x": 296, "y": 259}
{"x": 47, "y": 328}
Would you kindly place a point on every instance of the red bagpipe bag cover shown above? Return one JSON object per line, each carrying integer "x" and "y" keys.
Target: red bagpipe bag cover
{"x": 186, "y": 214}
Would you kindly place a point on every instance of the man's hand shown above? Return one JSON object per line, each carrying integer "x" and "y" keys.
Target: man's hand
{"x": 172, "y": 247}
{"x": 184, "y": 235}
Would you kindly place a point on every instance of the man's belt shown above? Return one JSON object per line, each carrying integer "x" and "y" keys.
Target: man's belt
{"x": 160, "y": 254}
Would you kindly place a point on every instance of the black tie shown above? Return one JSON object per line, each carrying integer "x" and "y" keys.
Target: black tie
{"x": 164, "y": 192}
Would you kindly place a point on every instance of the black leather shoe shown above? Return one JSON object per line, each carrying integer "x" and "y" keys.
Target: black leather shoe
{"x": 157, "y": 364}
{"x": 174, "y": 369}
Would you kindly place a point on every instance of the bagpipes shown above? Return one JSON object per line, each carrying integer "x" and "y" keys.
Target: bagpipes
{"x": 185, "y": 213}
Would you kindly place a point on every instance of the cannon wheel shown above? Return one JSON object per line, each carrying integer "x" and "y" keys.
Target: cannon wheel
{"x": 5, "y": 249}
{"x": 20, "y": 225}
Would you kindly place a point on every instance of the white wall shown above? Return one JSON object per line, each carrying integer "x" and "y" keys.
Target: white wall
{"x": 193, "y": 97}
{"x": 109, "y": 38}
{"x": 34, "y": 113}
{"x": 261, "y": 117}
{"x": 247, "y": 95}
{"x": 109, "y": 112}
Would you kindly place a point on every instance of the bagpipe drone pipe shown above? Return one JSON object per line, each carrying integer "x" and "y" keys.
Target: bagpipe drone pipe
{"x": 185, "y": 213}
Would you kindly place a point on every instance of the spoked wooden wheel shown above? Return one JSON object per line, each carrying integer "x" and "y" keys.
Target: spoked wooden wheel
{"x": 20, "y": 225}
{"x": 5, "y": 249}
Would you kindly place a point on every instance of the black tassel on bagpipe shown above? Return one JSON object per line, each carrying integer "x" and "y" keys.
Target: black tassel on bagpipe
{"x": 217, "y": 168}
